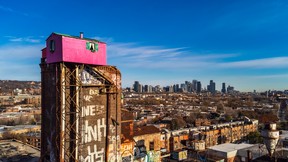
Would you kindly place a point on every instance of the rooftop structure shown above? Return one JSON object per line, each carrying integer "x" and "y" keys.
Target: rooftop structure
{"x": 229, "y": 151}
{"x": 66, "y": 48}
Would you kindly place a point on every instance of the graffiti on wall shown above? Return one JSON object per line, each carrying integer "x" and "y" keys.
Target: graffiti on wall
{"x": 153, "y": 156}
{"x": 93, "y": 126}
{"x": 88, "y": 77}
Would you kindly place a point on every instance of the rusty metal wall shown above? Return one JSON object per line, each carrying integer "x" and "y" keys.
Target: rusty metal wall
{"x": 80, "y": 112}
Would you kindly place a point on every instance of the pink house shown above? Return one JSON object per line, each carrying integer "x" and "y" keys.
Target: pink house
{"x": 66, "y": 48}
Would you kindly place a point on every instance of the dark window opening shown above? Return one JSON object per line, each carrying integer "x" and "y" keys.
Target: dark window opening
{"x": 151, "y": 145}
{"x": 52, "y": 45}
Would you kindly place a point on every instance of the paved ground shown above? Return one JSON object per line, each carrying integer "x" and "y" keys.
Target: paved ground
{"x": 12, "y": 151}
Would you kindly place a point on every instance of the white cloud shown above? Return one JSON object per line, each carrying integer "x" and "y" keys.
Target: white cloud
{"x": 22, "y": 60}
{"x": 147, "y": 57}
{"x": 133, "y": 55}
{"x": 23, "y": 39}
{"x": 272, "y": 62}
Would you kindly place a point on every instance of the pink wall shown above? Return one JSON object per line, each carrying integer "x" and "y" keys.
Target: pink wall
{"x": 44, "y": 55}
{"x": 69, "y": 49}
{"x": 56, "y": 56}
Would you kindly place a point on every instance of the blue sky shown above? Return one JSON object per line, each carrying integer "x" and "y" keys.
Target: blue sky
{"x": 242, "y": 42}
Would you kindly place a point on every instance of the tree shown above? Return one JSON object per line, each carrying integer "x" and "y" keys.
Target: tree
{"x": 177, "y": 123}
{"x": 220, "y": 107}
{"x": 190, "y": 119}
{"x": 254, "y": 137}
{"x": 228, "y": 118}
{"x": 266, "y": 118}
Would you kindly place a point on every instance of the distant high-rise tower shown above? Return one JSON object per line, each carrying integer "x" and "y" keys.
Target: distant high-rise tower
{"x": 282, "y": 111}
{"x": 211, "y": 87}
{"x": 136, "y": 86}
{"x": 230, "y": 89}
{"x": 81, "y": 101}
{"x": 175, "y": 87}
{"x": 223, "y": 90}
{"x": 194, "y": 83}
{"x": 145, "y": 89}
{"x": 150, "y": 89}
{"x": 199, "y": 87}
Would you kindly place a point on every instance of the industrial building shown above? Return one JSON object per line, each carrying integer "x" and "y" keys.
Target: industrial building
{"x": 81, "y": 97}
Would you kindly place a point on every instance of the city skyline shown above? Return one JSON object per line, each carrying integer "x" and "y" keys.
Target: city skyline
{"x": 187, "y": 86}
{"x": 241, "y": 43}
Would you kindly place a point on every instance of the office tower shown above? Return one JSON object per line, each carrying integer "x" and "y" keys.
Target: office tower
{"x": 81, "y": 101}
{"x": 140, "y": 88}
{"x": 183, "y": 87}
{"x": 150, "y": 89}
{"x": 211, "y": 87}
{"x": 208, "y": 88}
{"x": 189, "y": 86}
{"x": 166, "y": 89}
{"x": 230, "y": 89}
{"x": 223, "y": 90}
{"x": 194, "y": 83}
{"x": 145, "y": 89}
{"x": 177, "y": 87}
{"x": 199, "y": 87}
{"x": 158, "y": 88}
{"x": 136, "y": 86}
{"x": 187, "y": 83}
{"x": 170, "y": 89}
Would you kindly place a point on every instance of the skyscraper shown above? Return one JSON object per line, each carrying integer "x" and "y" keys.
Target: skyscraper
{"x": 194, "y": 83}
{"x": 230, "y": 89}
{"x": 223, "y": 90}
{"x": 199, "y": 87}
{"x": 150, "y": 89}
{"x": 211, "y": 87}
{"x": 136, "y": 86}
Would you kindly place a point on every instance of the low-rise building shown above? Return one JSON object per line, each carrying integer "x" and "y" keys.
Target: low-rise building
{"x": 148, "y": 143}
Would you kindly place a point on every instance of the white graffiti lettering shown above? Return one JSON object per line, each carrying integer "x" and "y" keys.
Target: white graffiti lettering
{"x": 92, "y": 110}
{"x": 87, "y": 98}
{"x": 114, "y": 138}
{"x": 94, "y": 92}
{"x": 94, "y": 156}
{"x": 94, "y": 133}
{"x": 112, "y": 128}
